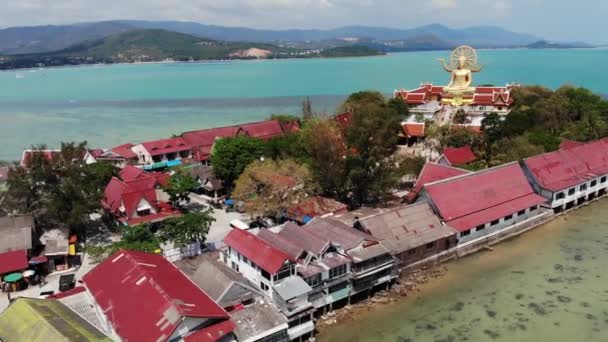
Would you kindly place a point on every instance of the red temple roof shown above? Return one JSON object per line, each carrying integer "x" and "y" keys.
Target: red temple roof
{"x": 459, "y": 155}
{"x": 29, "y": 154}
{"x": 263, "y": 254}
{"x": 484, "y": 96}
{"x": 469, "y": 200}
{"x": 145, "y": 297}
{"x": 413, "y": 129}
{"x": 568, "y": 167}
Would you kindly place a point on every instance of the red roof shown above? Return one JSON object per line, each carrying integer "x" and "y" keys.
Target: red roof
{"x": 13, "y": 261}
{"x": 566, "y": 144}
{"x": 124, "y": 151}
{"x": 484, "y": 96}
{"x": 203, "y": 140}
{"x": 145, "y": 297}
{"x": 137, "y": 185}
{"x": 465, "y": 201}
{"x": 413, "y": 129}
{"x": 459, "y": 156}
{"x": 131, "y": 172}
{"x": 568, "y": 167}
{"x": 432, "y": 172}
{"x": 28, "y": 154}
{"x": 262, "y": 253}
{"x": 164, "y": 146}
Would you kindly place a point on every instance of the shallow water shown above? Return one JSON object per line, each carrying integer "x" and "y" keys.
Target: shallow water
{"x": 547, "y": 285}
{"x": 109, "y": 105}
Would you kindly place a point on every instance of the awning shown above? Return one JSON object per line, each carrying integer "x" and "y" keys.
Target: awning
{"x": 173, "y": 163}
{"x": 154, "y": 166}
{"x": 13, "y": 261}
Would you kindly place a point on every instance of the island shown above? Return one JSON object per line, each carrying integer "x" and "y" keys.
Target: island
{"x": 157, "y": 45}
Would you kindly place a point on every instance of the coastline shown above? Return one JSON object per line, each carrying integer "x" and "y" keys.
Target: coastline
{"x": 428, "y": 276}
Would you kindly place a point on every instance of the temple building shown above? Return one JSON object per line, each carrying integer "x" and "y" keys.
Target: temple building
{"x": 441, "y": 104}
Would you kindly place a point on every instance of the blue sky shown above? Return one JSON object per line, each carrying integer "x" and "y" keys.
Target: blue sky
{"x": 564, "y": 20}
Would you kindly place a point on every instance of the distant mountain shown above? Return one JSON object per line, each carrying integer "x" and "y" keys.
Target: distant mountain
{"x": 543, "y": 44}
{"x": 480, "y": 36}
{"x": 154, "y": 45}
{"x": 35, "y": 39}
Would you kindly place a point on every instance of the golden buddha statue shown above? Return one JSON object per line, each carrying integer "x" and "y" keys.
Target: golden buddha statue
{"x": 463, "y": 63}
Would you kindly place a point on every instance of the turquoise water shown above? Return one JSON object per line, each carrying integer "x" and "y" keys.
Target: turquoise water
{"x": 547, "y": 285}
{"x": 108, "y": 105}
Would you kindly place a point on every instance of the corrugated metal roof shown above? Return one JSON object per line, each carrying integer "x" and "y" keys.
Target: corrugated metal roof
{"x": 292, "y": 287}
{"x": 42, "y": 320}
{"x": 263, "y": 254}
{"x": 433, "y": 172}
{"x": 16, "y": 233}
{"x": 407, "y": 227}
{"x": 145, "y": 297}
{"x": 490, "y": 190}
{"x": 571, "y": 166}
{"x": 459, "y": 156}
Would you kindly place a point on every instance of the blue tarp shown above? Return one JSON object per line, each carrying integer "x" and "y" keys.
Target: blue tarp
{"x": 306, "y": 218}
{"x": 173, "y": 163}
{"x": 229, "y": 202}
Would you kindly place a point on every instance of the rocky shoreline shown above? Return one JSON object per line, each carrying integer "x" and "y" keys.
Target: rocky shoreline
{"x": 407, "y": 285}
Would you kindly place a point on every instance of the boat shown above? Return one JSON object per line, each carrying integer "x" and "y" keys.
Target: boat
{"x": 19, "y": 76}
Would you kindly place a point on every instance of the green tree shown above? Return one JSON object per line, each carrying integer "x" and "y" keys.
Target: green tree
{"x": 136, "y": 238}
{"x": 325, "y": 148}
{"x": 284, "y": 147}
{"x": 361, "y": 99}
{"x": 61, "y": 192}
{"x": 231, "y": 156}
{"x": 460, "y": 117}
{"x": 188, "y": 228}
{"x": 491, "y": 126}
{"x": 371, "y": 141}
{"x": 179, "y": 187}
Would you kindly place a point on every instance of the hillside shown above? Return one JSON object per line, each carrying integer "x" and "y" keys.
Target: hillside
{"x": 350, "y": 51}
{"x": 153, "y": 45}
{"x": 37, "y": 39}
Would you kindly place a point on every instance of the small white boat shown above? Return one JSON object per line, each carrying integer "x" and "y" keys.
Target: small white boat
{"x": 19, "y": 76}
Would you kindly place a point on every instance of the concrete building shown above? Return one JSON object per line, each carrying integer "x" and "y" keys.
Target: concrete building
{"x": 158, "y": 153}
{"x": 411, "y": 233}
{"x": 571, "y": 175}
{"x": 255, "y": 317}
{"x": 484, "y": 202}
{"x": 273, "y": 271}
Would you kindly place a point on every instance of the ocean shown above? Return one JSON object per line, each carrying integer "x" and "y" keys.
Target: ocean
{"x": 112, "y": 104}
{"x": 546, "y": 285}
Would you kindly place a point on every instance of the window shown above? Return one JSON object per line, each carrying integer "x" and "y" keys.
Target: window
{"x": 583, "y": 187}
{"x": 430, "y": 245}
{"x": 521, "y": 212}
{"x": 411, "y": 251}
{"x": 560, "y": 195}
{"x": 495, "y": 222}
{"x": 533, "y": 208}
{"x": 594, "y": 182}
{"x": 314, "y": 280}
{"x": 481, "y": 227}
{"x": 145, "y": 212}
{"x": 508, "y": 217}
{"x": 225, "y": 257}
{"x": 265, "y": 274}
{"x": 337, "y": 271}
{"x": 571, "y": 191}
{"x": 235, "y": 266}
{"x": 264, "y": 286}
{"x": 465, "y": 233}
{"x": 603, "y": 179}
